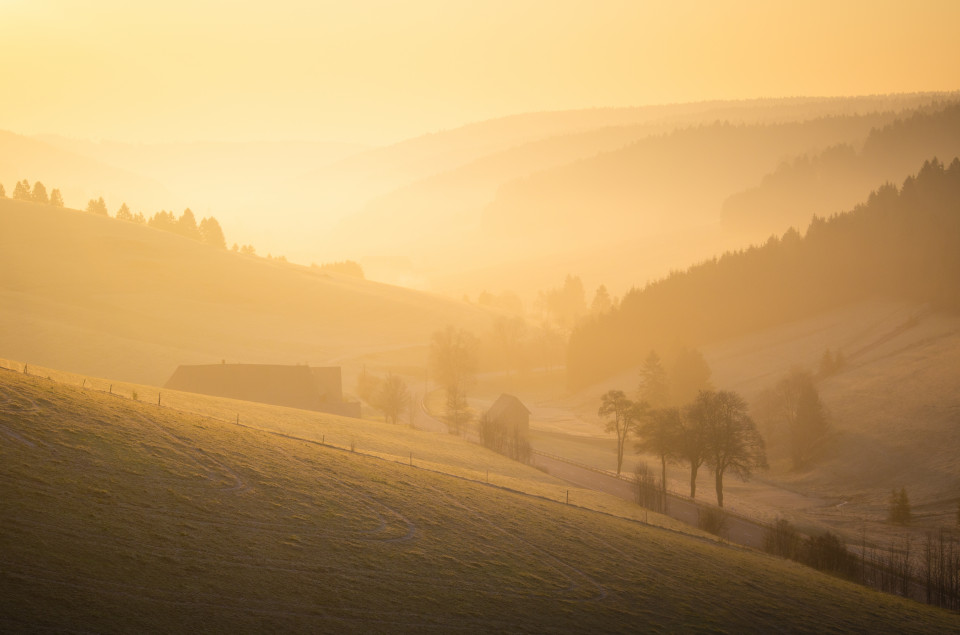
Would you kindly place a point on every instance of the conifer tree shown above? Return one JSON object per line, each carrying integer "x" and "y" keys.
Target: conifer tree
{"x": 187, "y": 225}
{"x": 97, "y": 206}
{"x": 124, "y": 213}
{"x": 3, "y": 192}
{"x": 56, "y": 199}
{"x": 653, "y": 381}
{"x": 211, "y": 233}
{"x": 900, "y": 507}
{"x": 39, "y": 194}
{"x": 21, "y": 192}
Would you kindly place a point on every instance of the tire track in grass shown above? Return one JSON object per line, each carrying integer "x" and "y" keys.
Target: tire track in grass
{"x": 16, "y": 405}
{"x": 232, "y": 603}
{"x": 188, "y": 449}
{"x": 317, "y": 573}
{"x": 387, "y": 516}
{"x": 578, "y": 579}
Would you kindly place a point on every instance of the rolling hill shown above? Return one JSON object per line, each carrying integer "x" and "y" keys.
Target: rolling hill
{"x": 461, "y": 226}
{"x": 901, "y": 243}
{"x": 452, "y": 199}
{"x": 840, "y": 176}
{"x": 238, "y": 182}
{"x": 93, "y": 294}
{"x": 121, "y": 516}
{"x": 78, "y": 176}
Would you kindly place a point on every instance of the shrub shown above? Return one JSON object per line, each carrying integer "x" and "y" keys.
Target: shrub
{"x": 649, "y": 488}
{"x": 828, "y": 552}
{"x": 900, "y": 507}
{"x": 712, "y": 520}
{"x": 782, "y": 539}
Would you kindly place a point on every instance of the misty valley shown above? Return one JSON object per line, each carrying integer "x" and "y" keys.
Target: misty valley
{"x": 688, "y": 366}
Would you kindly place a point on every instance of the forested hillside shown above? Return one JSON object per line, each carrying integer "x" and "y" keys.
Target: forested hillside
{"x": 840, "y": 176}
{"x": 656, "y": 184}
{"x": 450, "y": 201}
{"x": 901, "y": 243}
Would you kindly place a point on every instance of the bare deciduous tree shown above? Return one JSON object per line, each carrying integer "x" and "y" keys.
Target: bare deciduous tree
{"x": 732, "y": 440}
{"x": 453, "y": 358}
{"x": 622, "y": 415}
{"x": 659, "y": 432}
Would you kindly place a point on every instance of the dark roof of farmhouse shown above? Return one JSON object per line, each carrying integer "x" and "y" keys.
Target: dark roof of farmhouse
{"x": 281, "y": 385}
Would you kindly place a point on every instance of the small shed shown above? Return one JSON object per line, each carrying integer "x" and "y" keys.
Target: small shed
{"x": 510, "y": 414}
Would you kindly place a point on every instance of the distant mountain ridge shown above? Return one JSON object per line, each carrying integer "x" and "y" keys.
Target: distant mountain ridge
{"x": 79, "y": 177}
{"x": 840, "y": 176}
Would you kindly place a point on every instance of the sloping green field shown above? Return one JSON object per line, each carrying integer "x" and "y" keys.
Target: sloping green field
{"x": 121, "y": 516}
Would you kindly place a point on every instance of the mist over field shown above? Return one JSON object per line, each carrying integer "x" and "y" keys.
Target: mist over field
{"x": 446, "y": 316}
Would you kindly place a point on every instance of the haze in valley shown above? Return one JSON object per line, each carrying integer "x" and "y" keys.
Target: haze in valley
{"x": 484, "y": 316}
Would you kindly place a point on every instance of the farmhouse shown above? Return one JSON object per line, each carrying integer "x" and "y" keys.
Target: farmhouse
{"x": 302, "y": 387}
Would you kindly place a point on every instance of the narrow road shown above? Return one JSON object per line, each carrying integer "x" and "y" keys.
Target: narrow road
{"x": 739, "y": 530}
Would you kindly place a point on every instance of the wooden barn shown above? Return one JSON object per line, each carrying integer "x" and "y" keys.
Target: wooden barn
{"x": 510, "y": 414}
{"x": 302, "y": 387}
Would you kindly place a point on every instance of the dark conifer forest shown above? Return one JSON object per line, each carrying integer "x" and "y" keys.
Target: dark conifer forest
{"x": 901, "y": 243}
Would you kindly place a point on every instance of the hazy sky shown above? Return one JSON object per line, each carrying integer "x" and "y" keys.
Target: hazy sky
{"x": 380, "y": 70}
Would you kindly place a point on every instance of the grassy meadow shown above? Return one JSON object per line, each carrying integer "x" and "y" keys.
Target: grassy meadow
{"x": 120, "y": 516}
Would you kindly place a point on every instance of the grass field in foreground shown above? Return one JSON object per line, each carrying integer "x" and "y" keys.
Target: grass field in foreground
{"x": 121, "y": 516}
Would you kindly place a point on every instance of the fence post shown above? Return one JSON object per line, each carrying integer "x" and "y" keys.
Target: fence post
{"x": 568, "y": 497}
{"x": 411, "y": 458}
{"x": 111, "y": 389}
{"x": 238, "y": 417}
{"x": 158, "y": 399}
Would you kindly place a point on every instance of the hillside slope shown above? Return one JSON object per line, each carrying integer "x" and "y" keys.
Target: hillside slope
{"x": 654, "y": 185}
{"x": 97, "y": 295}
{"x": 902, "y": 243}
{"x": 79, "y": 177}
{"x": 840, "y": 176}
{"x": 446, "y": 229}
{"x": 452, "y": 200}
{"x": 119, "y": 516}
{"x": 895, "y": 404}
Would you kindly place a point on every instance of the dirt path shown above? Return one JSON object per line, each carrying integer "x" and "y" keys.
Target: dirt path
{"x": 739, "y": 530}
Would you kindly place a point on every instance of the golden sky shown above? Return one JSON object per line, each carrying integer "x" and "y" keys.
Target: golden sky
{"x": 379, "y": 70}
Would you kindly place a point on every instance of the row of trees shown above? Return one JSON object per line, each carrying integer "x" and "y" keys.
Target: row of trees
{"x": 714, "y": 429}
{"x": 567, "y": 305}
{"x": 929, "y": 574}
{"x": 345, "y": 267}
{"x": 37, "y": 194}
{"x": 207, "y": 231}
